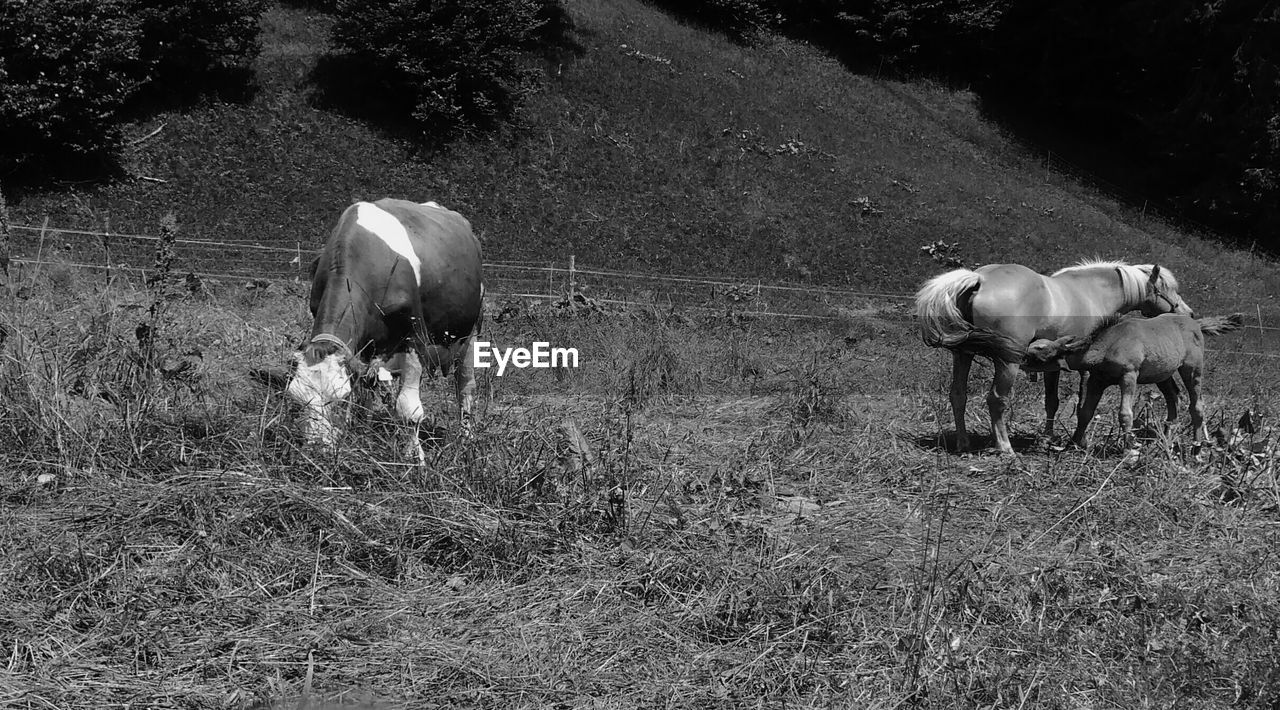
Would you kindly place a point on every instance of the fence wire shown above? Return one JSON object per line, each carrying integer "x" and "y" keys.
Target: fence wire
{"x": 254, "y": 263}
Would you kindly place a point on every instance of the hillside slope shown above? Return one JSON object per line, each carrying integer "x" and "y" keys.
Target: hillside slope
{"x": 657, "y": 147}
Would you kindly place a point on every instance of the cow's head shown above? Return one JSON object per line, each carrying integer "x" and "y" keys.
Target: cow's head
{"x": 321, "y": 378}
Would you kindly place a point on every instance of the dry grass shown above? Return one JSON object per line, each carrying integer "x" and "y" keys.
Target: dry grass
{"x": 746, "y": 525}
{"x": 710, "y": 512}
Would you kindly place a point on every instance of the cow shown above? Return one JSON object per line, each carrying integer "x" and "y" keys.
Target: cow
{"x": 397, "y": 281}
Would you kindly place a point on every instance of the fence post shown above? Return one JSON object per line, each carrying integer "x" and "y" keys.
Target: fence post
{"x": 106, "y": 248}
{"x": 573, "y": 286}
{"x": 6, "y": 246}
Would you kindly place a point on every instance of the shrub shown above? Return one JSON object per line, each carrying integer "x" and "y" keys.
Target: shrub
{"x": 187, "y": 45}
{"x": 66, "y": 68}
{"x": 446, "y": 63}
{"x": 739, "y": 19}
{"x": 69, "y": 68}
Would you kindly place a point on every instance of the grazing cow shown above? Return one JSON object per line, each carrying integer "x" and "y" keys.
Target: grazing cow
{"x": 396, "y": 280}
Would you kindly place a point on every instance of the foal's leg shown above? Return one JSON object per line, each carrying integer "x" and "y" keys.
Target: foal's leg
{"x": 998, "y": 403}
{"x": 1093, "y": 387}
{"x": 1169, "y": 389}
{"x": 1051, "y": 402}
{"x": 1191, "y": 379}
{"x": 1128, "y": 395}
{"x": 960, "y": 363}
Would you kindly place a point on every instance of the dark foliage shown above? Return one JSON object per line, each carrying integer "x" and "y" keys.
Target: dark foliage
{"x": 440, "y": 65}
{"x": 194, "y": 45}
{"x": 1184, "y": 93}
{"x": 71, "y": 70}
{"x": 946, "y": 37}
{"x": 1175, "y": 102}
{"x": 66, "y": 69}
{"x": 740, "y": 19}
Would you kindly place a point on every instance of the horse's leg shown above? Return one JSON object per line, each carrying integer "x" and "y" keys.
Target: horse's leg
{"x": 1093, "y": 387}
{"x": 960, "y": 363}
{"x": 998, "y": 403}
{"x": 1191, "y": 379}
{"x": 1128, "y": 396}
{"x": 1051, "y": 402}
{"x": 1169, "y": 389}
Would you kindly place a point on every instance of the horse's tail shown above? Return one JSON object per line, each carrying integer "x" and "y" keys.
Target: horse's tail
{"x": 943, "y": 325}
{"x": 997, "y": 346}
{"x": 1216, "y": 325}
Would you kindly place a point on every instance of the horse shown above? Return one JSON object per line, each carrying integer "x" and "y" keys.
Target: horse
{"x": 1136, "y": 351}
{"x": 998, "y": 309}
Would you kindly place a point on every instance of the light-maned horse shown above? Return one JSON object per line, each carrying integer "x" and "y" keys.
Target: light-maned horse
{"x": 1138, "y": 351}
{"x": 999, "y": 309}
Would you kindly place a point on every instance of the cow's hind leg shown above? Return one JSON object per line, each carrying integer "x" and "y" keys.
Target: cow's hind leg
{"x": 464, "y": 384}
{"x": 960, "y": 365}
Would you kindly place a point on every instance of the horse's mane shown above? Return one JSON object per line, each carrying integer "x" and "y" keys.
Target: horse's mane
{"x": 1085, "y": 264}
{"x": 1133, "y": 273}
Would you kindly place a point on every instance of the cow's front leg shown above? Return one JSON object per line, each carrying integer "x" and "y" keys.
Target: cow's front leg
{"x": 409, "y": 401}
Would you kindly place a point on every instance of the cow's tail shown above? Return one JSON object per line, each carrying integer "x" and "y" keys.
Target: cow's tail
{"x": 943, "y": 325}
{"x": 1217, "y": 325}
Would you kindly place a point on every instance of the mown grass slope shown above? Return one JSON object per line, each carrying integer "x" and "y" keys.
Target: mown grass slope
{"x": 656, "y": 147}
{"x": 712, "y": 511}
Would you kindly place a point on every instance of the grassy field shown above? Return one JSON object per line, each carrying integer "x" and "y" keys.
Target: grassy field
{"x": 711, "y": 511}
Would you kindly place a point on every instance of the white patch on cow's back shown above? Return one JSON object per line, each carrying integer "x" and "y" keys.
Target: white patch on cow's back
{"x": 389, "y": 230}
{"x": 432, "y": 204}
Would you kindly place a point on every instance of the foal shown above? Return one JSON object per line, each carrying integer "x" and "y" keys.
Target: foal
{"x": 1134, "y": 351}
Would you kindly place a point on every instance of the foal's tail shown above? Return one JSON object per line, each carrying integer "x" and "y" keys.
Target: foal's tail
{"x": 943, "y": 325}
{"x": 1217, "y": 325}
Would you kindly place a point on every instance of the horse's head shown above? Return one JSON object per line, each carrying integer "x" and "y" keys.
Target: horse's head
{"x": 1162, "y": 294}
{"x": 321, "y": 377}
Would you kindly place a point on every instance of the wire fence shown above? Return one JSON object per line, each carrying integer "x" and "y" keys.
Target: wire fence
{"x": 44, "y": 247}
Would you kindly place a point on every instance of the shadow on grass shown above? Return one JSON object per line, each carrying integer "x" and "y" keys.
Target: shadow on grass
{"x": 347, "y": 85}
{"x": 369, "y": 91}
{"x": 978, "y": 443}
{"x": 49, "y": 169}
